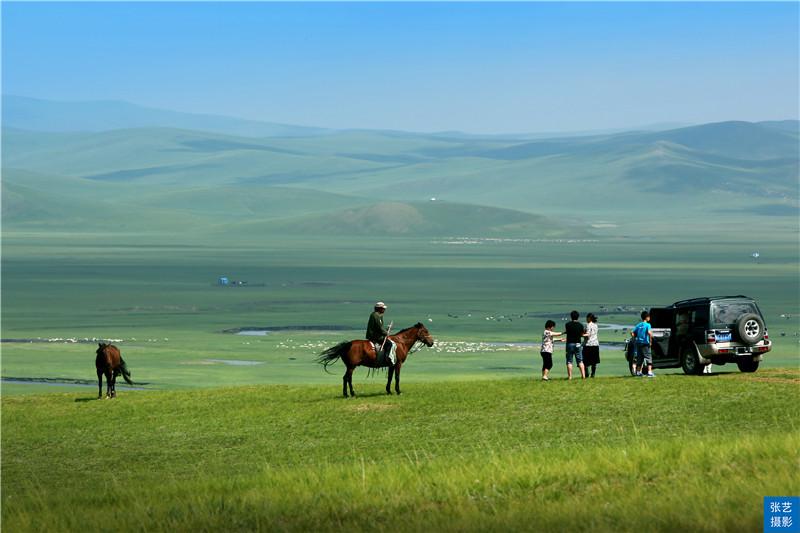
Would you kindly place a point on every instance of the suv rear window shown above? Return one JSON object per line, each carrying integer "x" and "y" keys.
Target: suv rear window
{"x": 725, "y": 314}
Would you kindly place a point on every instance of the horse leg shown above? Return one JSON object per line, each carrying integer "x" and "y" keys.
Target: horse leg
{"x": 347, "y": 380}
{"x": 389, "y": 382}
{"x": 108, "y": 382}
{"x": 99, "y": 383}
{"x": 114, "y": 384}
{"x": 350, "y": 381}
{"x": 397, "y": 378}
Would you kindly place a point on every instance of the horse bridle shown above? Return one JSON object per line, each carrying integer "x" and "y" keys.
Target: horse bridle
{"x": 417, "y": 341}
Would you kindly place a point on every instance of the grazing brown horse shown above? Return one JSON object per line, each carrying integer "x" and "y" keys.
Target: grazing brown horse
{"x": 109, "y": 362}
{"x": 362, "y": 352}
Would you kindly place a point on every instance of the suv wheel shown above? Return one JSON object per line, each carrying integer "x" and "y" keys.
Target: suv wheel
{"x": 747, "y": 365}
{"x": 750, "y": 328}
{"x": 690, "y": 362}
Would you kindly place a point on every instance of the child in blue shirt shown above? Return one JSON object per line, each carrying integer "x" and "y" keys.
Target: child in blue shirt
{"x": 643, "y": 338}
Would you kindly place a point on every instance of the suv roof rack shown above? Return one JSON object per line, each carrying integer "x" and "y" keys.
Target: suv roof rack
{"x": 707, "y": 299}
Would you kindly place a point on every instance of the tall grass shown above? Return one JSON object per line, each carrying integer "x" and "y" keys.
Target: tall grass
{"x": 615, "y": 454}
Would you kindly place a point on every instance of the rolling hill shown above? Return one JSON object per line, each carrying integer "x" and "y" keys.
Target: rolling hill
{"x": 380, "y": 182}
{"x": 429, "y": 219}
{"x": 36, "y": 202}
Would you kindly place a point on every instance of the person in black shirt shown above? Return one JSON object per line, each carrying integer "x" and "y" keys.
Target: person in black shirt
{"x": 377, "y": 333}
{"x": 575, "y": 332}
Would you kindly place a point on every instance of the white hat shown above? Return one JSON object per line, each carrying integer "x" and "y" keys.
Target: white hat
{"x": 381, "y": 305}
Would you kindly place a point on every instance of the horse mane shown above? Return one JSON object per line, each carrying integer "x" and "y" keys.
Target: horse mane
{"x": 417, "y": 325}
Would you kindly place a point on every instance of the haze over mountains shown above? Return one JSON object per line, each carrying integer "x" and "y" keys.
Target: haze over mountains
{"x": 93, "y": 166}
{"x": 54, "y": 116}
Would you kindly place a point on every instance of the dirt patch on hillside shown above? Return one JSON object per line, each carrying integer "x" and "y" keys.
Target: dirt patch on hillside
{"x": 372, "y": 407}
{"x": 775, "y": 376}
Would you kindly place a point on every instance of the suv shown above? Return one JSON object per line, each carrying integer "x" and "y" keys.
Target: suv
{"x": 692, "y": 334}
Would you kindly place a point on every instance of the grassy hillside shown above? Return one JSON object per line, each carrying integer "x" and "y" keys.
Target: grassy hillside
{"x": 34, "y": 201}
{"x": 487, "y": 455}
{"x": 430, "y": 219}
{"x": 168, "y": 156}
{"x": 731, "y": 172}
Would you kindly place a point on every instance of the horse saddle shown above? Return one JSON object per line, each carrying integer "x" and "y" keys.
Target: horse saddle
{"x": 385, "y": 357}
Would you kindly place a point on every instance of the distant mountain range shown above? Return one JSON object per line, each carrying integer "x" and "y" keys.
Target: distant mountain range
{"x": 35, "y": 114}
{"x": 78, "y": 166}
{"x": 48, "y": 115}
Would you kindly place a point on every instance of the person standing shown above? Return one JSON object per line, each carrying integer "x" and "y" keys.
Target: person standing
{"x": 643, "y": 339}
{"x": 575, "y": 333}
{"x": 591, "y": 350}
{"x": 548, "y": 337}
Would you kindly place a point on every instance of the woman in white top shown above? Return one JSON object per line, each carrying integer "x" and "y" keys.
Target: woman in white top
{"x": 591, "y": 350}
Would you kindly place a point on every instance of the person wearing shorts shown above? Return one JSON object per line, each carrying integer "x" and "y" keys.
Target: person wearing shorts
{"x": 548, "y": 337}
{"x": 643, "y": 339}
{"x": 575, "y": 332}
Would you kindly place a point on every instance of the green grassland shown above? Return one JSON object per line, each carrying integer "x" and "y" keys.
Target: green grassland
{"x": 162, "y": 305}
{"x": 121, "y": 235}
{"x": 612, "y": 454}
{"x": 475, "y": 443}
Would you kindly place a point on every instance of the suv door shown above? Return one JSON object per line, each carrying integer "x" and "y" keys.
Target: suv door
{"x": 661, "y": 320}
{"x": 698, "y": 324}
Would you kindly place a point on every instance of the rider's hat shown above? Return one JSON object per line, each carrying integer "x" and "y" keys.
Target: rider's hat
{"x": 381, "y": 305}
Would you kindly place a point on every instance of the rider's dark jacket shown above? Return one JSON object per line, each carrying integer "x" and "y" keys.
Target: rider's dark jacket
{"x": 375, "y": 330}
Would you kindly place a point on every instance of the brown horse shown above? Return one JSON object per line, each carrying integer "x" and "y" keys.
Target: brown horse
{"x": 362, "y": 352}
{"x": 109, "y": 362}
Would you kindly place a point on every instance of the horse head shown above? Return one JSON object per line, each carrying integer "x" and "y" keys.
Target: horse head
{"x": 101, "y": 348}
{"x": 423, "y": 335}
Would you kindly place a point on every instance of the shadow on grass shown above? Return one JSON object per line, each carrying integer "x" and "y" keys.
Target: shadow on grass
{"x": 326, "y": 398}
{"x": 103, "y": 397}
{"x": 372, "y": 394}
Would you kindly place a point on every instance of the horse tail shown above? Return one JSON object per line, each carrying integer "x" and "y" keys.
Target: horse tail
{"x": 330, "y": 355}
{"x": 125, "y": 372}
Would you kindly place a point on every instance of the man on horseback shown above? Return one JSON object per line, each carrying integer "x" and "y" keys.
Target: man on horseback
{"x": 378, "y": 334}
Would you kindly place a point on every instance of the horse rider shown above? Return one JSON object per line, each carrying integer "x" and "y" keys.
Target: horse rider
{"x": 377, "y": 333}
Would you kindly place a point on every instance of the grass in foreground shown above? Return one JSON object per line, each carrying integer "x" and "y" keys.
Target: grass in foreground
{"x": 611, "y": 454}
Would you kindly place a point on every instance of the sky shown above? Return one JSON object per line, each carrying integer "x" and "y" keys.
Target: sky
{"x": 417, "y": 66}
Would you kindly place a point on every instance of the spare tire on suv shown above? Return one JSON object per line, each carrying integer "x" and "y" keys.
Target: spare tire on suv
{"x": 750, "y": 328}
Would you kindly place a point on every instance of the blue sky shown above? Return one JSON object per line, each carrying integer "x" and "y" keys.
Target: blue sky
{"x": 476, "y": 67}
